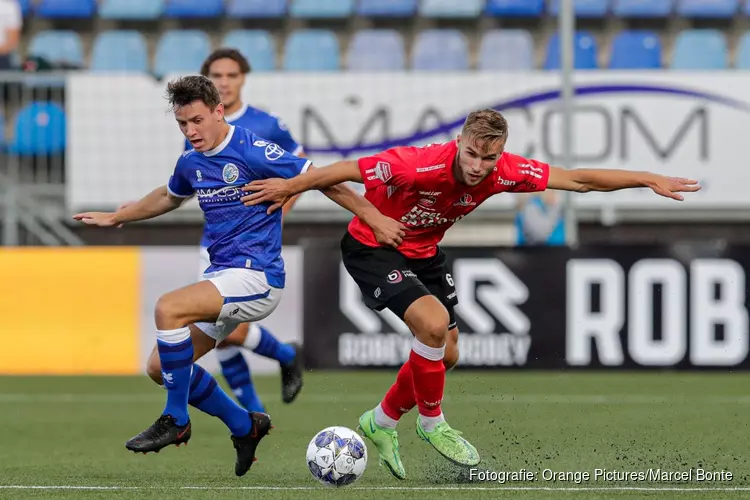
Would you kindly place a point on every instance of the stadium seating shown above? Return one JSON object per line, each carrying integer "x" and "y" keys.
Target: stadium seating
{"x": 585, "y": 52}
{"x": 506, "y": 50}
{"x": 643, "y": 8}
{"x": 57, "y": 46}
{"x": 329, "y": 9}
{"x": 636, "y": 50}
{"x": 256, "y": 8}
{"x": 376, "y": 50}
{"x": 708, "y": 8}
{"x": 387, "y": 8}
{"x": 451, "y": 8}
{"x": 700, "y": 50}
{"x": 120, "y": 51}
{"x": 65, "y": 8}
{"x": 312, "y": 50}
{"x": 742, "y": 57}
{"x": 583, "y": 8}
{"x": 256, "y": 45}
{"x": 440, "y": 50}
{"x": 515, "y": 8}
{"x": 39, "y": 130}
{"x": 131, "y": 9}
{"x": 194, "y": 8}
{"x": 180, "y": 51}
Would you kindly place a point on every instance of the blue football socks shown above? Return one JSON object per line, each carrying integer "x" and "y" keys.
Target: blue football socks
{"x": 269, "y": 346}
{"x": 176, "y": 355}
{"x": 235, "y": 369}
{"x": 207, "y": 396}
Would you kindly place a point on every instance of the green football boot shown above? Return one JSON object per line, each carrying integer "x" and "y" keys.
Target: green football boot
{"x": 449, "y": 443}
{"x": 386, "y": 441}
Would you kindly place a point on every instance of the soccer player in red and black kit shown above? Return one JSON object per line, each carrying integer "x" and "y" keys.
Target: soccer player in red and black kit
{"x": 428, "y": 189}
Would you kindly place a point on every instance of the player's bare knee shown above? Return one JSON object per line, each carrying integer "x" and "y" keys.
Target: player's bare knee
{"x": 167, "y": 314}
{"x": 451, "y": 358}
{"x": 433, "y": 330}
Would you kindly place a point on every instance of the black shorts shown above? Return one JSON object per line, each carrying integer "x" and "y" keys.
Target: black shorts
{"x": 390, "y": 280}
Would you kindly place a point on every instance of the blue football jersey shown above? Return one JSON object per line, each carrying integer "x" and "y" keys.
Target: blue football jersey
{"x": 262, "y": 124}
{"x": 237, "y": 236}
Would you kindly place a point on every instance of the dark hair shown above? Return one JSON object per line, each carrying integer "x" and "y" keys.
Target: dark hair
{"x": 226, "y": 53}
{"x": 188, "y": 89}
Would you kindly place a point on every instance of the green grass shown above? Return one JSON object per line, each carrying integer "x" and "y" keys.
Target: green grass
{"x": 60, "y": 431}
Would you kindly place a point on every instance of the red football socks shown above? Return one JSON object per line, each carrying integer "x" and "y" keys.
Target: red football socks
{"x": 428, "y": 372}
{"x": 400, "y": 397}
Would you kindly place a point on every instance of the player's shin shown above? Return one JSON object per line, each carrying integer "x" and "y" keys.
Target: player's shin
{"x": 207, "y": 396}
{"x": 236, "y": 370}
{"x": 398, "y": 400}
{"x": 175, "y": 348}
{"x": 428, "y": 372}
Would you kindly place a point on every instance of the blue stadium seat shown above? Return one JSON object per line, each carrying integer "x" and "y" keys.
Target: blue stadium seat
{"x": 515, "y": 8}
{"x": 57, "y": 46}
{"x": 181, "y": 51}
{"x": 708, "y": 8}
{"x": 506, "y": 50}
{"x": 387, "y": 8}
{"x": 585, "y": 52}
{"x": 700, "y": 50}
{"x": 440, "y": 50}
{"x": 451, "y": 8}
{"x": 329, "y": 9}
{"x": 312, "y": 50}
{"x": 583, "y": 8}
{"x": 65, "y": 8}
{"x": 636, "y": 50}
{"x": 643, "y": 8}
{"x": 131, "y": 9}
{"x": 194, "y": 8}
{"x": 256, "y": 45}
{"x": 25, "y": 6}
{"x": 120, "y": 51}
{"x": 39, "y": 130}
{"x": 256, "y": 8}
{"x": 742, "y": 58}
{"x": 376, "y": 50}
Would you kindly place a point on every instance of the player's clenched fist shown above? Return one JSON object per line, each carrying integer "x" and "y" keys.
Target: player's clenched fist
{"x": 274, "y": 190}
{"x": 101, "y": 219}
{"x": 387, "y": 231}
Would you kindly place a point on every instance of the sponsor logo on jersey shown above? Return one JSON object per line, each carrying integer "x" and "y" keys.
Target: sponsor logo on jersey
{"x": 430, "y": 168}
{"x": 230, "y": 173}
{"x": 428, "y": 201}
{"x": 260, "y": 143}
{"x": 198, "y": 175}
{"x": 382, "y": 171}
{"x": 225, "y": 194}
{"x": 465, "y": 201}
{"x": 395, "y": 276}
{"x": 430, "y": 193}
{"x": 506, "y": 182}
{"x": 274, "y": 152}
{"x": 419, "y": 217}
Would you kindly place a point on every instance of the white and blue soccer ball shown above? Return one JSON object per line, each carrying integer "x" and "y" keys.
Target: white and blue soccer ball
{"x": 337, "y": 456}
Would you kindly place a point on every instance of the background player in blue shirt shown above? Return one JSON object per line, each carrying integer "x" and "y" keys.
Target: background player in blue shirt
{"x": 246, "y": 277}
{"x": 227, "y": 68}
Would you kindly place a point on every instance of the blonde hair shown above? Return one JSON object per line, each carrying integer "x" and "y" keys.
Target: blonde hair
{"x": 485, "y": 127}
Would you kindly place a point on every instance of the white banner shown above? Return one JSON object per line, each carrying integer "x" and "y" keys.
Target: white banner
{"x": 123, "y": 142}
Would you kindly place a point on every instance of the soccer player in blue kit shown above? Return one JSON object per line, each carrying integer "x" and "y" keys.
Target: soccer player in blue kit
{"x": 245, "y": 280}
{"x": 227, "y": 68}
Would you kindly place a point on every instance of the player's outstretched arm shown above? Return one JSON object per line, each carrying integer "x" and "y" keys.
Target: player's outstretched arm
{"x": 157, "y": 202}
{"x": 585, "y": 180}
{"x": 278, "y": 191}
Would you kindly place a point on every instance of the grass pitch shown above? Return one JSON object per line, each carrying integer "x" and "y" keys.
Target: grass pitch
{"x": 63, "y": 438}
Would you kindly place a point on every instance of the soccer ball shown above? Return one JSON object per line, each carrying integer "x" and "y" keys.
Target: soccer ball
{"x": 337, "y": 456}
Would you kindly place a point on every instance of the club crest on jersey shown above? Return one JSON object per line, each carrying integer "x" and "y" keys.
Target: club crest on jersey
{"x": 381, "y": 171}
{"x": 273, "y": 152}
{"x": 231, "y": 173}
{"x": 465, "y": 201}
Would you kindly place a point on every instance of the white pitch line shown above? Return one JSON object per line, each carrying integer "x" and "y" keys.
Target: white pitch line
{"x": 501, "y": 399}
{"x": 382, "y": 488}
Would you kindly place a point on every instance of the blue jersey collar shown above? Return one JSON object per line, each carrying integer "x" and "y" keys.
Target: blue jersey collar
{"x": 218, "y": 149}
